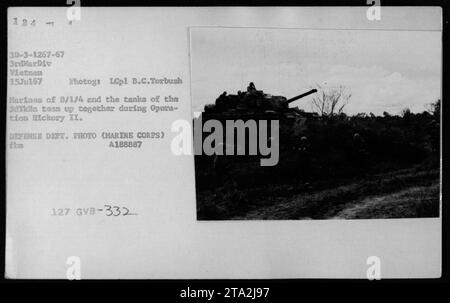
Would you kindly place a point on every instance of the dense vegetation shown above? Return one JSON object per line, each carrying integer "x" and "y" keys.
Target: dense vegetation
{"x": 320, "y": 156}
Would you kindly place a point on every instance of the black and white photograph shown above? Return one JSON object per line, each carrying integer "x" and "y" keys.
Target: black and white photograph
{"x": 358, "y": 114}
{"x": 243, "y": 144}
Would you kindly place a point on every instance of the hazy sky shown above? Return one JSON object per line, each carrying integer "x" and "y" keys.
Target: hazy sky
{"x": 384, "y": 70}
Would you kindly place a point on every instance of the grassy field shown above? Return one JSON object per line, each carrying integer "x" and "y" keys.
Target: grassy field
{"x": 405, "y": 193}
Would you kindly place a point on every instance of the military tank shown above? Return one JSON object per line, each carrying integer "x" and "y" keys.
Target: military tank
{"x": 254, "y": 104}
{"x": 257, "y": 105}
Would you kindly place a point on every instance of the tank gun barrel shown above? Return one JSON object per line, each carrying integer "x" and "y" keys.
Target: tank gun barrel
{"x": 301, "y": 96}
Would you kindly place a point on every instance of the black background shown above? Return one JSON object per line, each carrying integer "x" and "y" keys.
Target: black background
{"x": 298, "y": 290}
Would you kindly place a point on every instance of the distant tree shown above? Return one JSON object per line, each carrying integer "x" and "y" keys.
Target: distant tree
{"x": 343, "y": 116}
{"x": 330, "y": 101}
{"x": 386, "y": 114}
{"x": 434, "y": 108}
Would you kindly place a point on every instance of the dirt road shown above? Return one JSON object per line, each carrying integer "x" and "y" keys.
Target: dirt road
{"x": 406, "y": 193}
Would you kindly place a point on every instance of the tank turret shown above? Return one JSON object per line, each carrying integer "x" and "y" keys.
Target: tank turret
{"x": 301, "y": 95}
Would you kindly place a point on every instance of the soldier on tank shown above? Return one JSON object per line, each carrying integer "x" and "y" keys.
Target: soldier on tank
{"x": 222, "y": 96}
{"x": 221, "y": 101}
{"x": 251, "y": 88}
{"x": 252, "y": 95}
